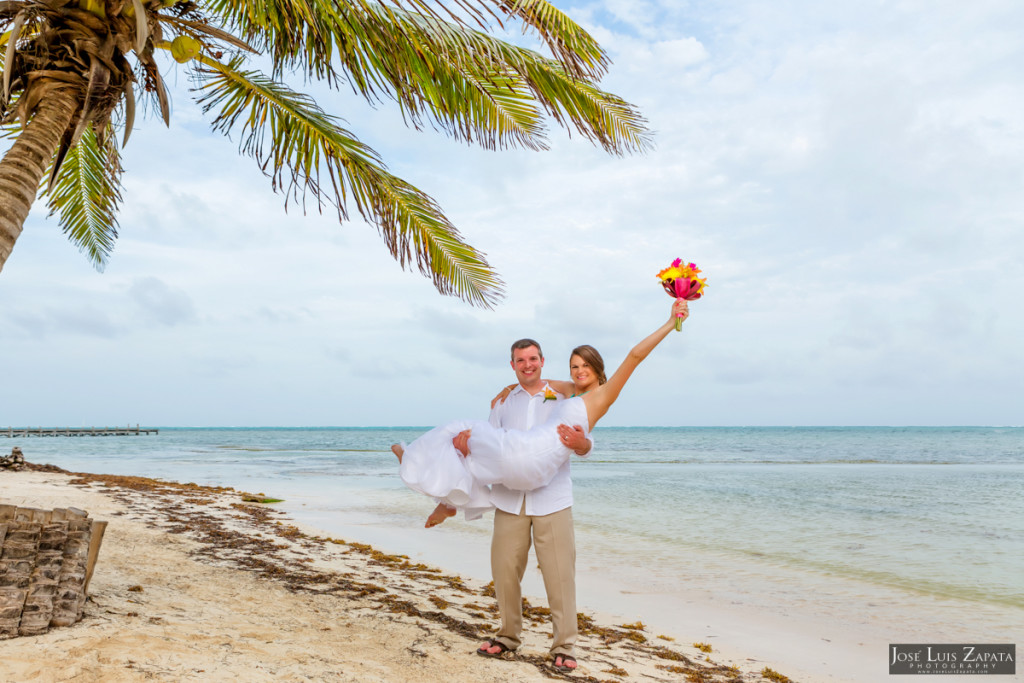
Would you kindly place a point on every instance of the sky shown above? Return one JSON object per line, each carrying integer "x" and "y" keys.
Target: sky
{"x": 849, "y": 176}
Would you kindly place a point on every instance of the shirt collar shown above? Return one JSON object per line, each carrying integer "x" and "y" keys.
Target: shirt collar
{"x": 519, "y": 388}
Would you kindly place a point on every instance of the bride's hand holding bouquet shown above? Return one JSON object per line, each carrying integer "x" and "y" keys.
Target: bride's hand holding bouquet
{"x": 680, "y": 281}
{"x": 680, "y": 312}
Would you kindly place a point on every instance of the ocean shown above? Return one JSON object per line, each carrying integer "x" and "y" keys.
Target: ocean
{"x": 880, "y": 533}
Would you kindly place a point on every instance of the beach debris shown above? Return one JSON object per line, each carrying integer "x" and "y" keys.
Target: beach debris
{"x": 15, "y": 461}
{"x": 775, "y": 676}
{"x": 632, "y": 631}
{"x": 259, "y": 498}
{"x": 46, "y": 563}
{"x": 260, "y": 540}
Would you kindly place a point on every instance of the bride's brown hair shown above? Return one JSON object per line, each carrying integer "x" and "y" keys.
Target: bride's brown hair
{"x": 589, "y": 354}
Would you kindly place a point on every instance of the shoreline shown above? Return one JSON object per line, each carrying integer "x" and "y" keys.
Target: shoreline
{"x": 810, "y": 625}
{"x": 192, "y": 583}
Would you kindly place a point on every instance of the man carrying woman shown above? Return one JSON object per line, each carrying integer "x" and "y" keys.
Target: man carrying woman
{"x": 523, "y": 453}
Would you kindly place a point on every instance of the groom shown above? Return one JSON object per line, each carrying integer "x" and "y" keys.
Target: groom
{"x": 543, "y": 515}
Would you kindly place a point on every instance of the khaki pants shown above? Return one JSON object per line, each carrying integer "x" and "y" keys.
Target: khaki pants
{"x": 555, "y": 545}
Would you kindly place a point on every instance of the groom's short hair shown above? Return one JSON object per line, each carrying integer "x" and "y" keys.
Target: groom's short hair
{"x": 525, "y": 344}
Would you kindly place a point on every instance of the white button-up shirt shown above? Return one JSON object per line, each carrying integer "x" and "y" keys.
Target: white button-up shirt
{"x": 523, "y": 411}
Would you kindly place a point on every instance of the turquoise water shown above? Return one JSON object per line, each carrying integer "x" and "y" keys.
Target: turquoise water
{"x": 928, "y": 512}
{"x": 934, "y": 511}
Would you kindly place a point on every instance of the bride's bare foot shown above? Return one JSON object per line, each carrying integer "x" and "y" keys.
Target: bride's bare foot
{"x": 397, "y": 450}
{"x": 440, "y": 514}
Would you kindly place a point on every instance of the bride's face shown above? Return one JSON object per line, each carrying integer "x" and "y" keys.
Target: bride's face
{"x": 582, "y": 374}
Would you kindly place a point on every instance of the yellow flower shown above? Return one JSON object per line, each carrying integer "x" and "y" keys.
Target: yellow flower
{"x": 549, "y": 395}
{"x": 670, "y": 273}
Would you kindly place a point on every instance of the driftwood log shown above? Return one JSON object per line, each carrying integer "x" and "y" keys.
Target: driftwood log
{"x": 46, "y": 562}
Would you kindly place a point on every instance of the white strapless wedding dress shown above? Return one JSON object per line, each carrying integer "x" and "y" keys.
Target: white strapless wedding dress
{"x": 521, "y": 460}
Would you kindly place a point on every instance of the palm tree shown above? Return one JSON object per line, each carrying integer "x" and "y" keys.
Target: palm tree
{"x": 73, "y": 71}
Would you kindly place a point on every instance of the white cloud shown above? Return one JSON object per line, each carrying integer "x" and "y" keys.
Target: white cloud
{"x": 848, "y": 177}
{"x": 160, "y": 303}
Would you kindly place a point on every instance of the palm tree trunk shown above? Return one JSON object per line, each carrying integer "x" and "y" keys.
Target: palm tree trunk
{"x": 25, "y": 163}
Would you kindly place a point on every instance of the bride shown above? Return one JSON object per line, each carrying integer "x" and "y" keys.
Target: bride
{"x": 456, "y": 462}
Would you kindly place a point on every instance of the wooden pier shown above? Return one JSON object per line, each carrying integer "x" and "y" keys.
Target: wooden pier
{"x": 14, "y": 432}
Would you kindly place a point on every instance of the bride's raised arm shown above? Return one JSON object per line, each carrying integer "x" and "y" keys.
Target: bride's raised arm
{"x": 600, "y": 399}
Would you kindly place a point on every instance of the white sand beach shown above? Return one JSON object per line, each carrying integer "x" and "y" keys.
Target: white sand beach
{"x": 192, "y": 583}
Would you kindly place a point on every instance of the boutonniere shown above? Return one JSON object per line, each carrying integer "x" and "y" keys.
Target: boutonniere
{"x": 549, "y": 395}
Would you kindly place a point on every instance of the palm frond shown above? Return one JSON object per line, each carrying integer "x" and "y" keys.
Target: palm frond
{"x": 498, "y": 111}
{"x": 141, "y": 26}
{"x": 86, "y": 193}
{"x": 9, "y": 52}
{"x": 290, "y": 31}
{"x": 202, "y": 28}
{"x": 440, "y": 68}
{"x": 462, "y": 80}
{"x": 481, "y": 12}
{"x": 574, "y": 102}
{"x": 293, "y": 140}
{"x": 483, "y": 103}
{"x": 603, "y": 118}
{"x": 575, "y": 49}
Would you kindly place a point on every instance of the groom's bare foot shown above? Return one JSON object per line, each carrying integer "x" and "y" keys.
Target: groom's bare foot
{"x": 399, "y": 451}
{"x": 440, "y": 514}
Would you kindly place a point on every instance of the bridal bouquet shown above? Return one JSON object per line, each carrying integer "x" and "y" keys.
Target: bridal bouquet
{"x": 681, "y": 282}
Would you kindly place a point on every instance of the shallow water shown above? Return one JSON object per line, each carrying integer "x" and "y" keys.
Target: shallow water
{"x": 922, "y": 527}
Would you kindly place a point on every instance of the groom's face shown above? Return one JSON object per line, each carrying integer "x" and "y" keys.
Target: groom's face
{"x": 527, "y": 364}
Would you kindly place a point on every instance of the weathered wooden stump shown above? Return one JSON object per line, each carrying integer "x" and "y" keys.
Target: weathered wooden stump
{"x": 46, "y": 562}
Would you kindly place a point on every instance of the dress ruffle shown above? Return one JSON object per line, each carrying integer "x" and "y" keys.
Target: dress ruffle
{"x": 521, "y": 460}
